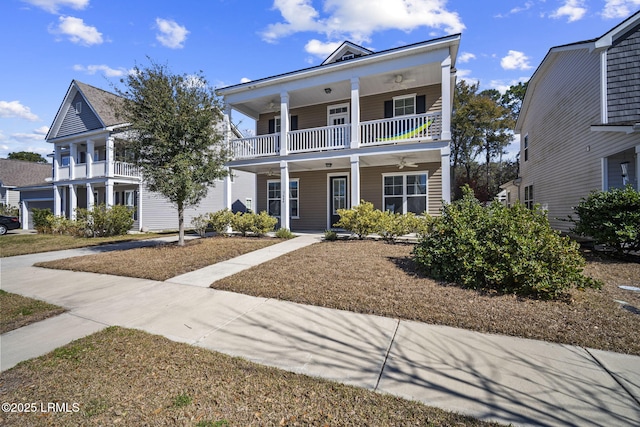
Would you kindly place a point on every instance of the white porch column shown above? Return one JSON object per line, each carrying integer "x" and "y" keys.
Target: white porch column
{"x": 141, "y": 227}
{"x": 285, "y": 214}
{"x": 108, "y": 193}
{"x": 109, "y": 157}
{"x": 24, "y": 215}
{"x": 65, "y": 202}
{"x": 446, "y": 99}
{"x": 355, "y": 113}
{"x": 73, "y": 155}
{"x": 90, "y": 198}
{"x": 445, "y": 166}
{"x": 638, "y": 167}
{"x": 89, "y": 157}
{"x": 355, "y": 180}
{"x": 227, "y": 128}
{"x": 284, "y": 124}
{"x": 57, "y": 201}
{"x": 73, "y": 201}
{"x": 604, "y": 168}
{"x": 228, "y": 201}
{"x": 57, "y": 156}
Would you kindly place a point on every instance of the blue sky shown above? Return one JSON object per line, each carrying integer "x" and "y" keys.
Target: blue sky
{"x": 47, "y": 43}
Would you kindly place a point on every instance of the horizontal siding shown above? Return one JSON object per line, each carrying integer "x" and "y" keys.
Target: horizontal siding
{"x": 371, "y": 108}
{"x": 564, "y": 154}
{"x": 74, "y": 123}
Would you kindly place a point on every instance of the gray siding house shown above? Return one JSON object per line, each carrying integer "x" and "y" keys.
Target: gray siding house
{"x": 580, "y": 123}
{"x": 90, "y": 166}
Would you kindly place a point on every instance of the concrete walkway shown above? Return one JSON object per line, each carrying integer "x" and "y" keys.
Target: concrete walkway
{"x": 491, "y": 377}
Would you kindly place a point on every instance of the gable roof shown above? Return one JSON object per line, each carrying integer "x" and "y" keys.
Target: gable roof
{"x": 99, "y": 101}
{"x": 20, "y": 173}
{"x": 600, "y": 43}
{"x": 345, "y": 48}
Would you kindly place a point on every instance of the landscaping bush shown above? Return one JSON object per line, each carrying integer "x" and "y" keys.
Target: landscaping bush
{"x": 284, "y": 233}
{"x": 512, "y": 250}
{"x": 330, "y": 235}
{"x": 42, "y": 220}
{"x": 611, "y": 218}
{"x": 9, "y": 210}
{"x": 258, "y": 224}
{"x": 360, "y": 220}
{"x": 103, "y": 221}
{"x": 200, "y": 224}
{"x": 221, "y": 221}
{"x": 242, "y": 223}
{"x": 391, "y": 225}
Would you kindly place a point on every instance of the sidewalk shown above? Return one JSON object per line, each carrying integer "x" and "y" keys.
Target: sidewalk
{"x": 491, "y": 377}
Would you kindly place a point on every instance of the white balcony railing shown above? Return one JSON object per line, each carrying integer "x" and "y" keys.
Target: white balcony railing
{"x": 125, "y": 169}
{"x": 419, "y": 127}
{"x": 319, "y": 139}
{"x": 256, "y": 146}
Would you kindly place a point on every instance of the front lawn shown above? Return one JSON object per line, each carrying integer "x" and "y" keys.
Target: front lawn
{"x": 379, "y": 278}
{"x": 127, "y": 377}
{"x": 17, "y": 311}
{"x": 24, "y": 244}
{"x": 163, "y": 261}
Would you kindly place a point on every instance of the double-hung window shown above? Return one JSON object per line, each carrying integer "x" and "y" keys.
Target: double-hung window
{"x": 528, "y": 196}
{"x": 404, "y": 105}
{"x": 404, "y": 193}
{"x": 274, "y": 197}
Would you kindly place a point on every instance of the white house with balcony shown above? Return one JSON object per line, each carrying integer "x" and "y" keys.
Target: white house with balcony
{"x": 90, "y": 166}
{"x": 363, "y": 125}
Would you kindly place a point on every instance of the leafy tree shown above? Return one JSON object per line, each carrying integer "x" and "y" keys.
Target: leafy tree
{"x": 27, "y": 156}
{"x": 174, "y": 135}
{"x": 513, "y": 98}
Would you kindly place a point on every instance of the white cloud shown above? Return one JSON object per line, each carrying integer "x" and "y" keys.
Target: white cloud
{"x": 16, "y": 109}
{"x": 465, "y": 57}
{"x": 517, "y": 9}
{"x": 171, "y": 35}
{"x": 28, "y": 136}
{"x": 515, "y": 61}
{"x": 619, "y": 8}
{"x": 357, "y": 20}
{"x": 245, "y": 80}
{"x": 105, "y": 69}
{"x": 574, "y": 10}
{"x": 52, "y": 6}
{"x": 77, "y": 31}
{"x": 320, "y": 49}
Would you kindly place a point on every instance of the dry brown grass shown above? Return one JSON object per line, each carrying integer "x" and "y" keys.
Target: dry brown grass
{"x": 379, "y": 278}
{"x": 164, "y": 261}
{"x": 131, "y": 378}
{"x": 17, "y": 311}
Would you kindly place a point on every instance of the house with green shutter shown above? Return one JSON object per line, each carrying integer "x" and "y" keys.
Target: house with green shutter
{"x": 362, "y": 125}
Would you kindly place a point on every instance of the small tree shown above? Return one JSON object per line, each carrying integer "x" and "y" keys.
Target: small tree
{"x": 174, "y": 135}
{"x": 27, "y": 156}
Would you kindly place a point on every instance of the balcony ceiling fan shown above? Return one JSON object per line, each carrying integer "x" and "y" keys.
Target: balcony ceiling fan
{"x": 406, "y": 164}
{"x": 400, "y": 80}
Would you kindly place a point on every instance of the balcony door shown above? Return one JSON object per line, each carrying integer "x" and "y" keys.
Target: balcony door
{"x": 338, "y": 115}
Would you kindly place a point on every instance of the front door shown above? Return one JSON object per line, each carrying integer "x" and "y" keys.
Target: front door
{"x": 337, "y": 197}
{"x": 338, "y": 115}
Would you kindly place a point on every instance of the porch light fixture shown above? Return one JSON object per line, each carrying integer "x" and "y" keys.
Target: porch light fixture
{"x": 625, "y": 172}
{"x": 327, "y": 90}
{"x": 328, "y": 165}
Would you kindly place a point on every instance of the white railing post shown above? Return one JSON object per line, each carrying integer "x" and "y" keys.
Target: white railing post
{"x": 355, "y": 112}
{"x": 446, "y": 99}
{"x": 89, "y": 157}
{"x": 284, "y": 123}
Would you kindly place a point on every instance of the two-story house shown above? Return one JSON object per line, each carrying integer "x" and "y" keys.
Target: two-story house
{"x": 579, "y": 124}
{"x": 90, "y": 166}
{"x": 362, "y": 125}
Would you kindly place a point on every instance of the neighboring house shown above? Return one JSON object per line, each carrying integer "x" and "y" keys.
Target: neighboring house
{"x": 363, "y": 125}
{"x": 25, "y": 185}
{"x": 579, "y": 124}
{"x": 90, "y": 166}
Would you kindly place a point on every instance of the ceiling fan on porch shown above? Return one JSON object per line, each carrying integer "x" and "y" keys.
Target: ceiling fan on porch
{"x": 400, "y": 81}
{"x": 405, "y": 164}
{"x": 271, "y": 172}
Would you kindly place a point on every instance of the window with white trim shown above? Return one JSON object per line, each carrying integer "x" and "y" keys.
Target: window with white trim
{"x": 526, "y": 147}
{"x": 528, "y": 196}
{"x": 404, "y": 193}
{"x": 404, "y": 105}
{"x": 274, "y": 196}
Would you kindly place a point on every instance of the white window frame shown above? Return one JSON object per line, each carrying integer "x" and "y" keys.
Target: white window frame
{"x": 528, "y": 196}
{"x": 340, "y": 106}
{"x": 525, "y": 147}
{"x": 403, "y": 97}
{"x": 79, "y": 107}
{"x": 248, "y": 203}
{"x": 404, "y": 194}
{"x": 296, "y": 199}
{"x": 129, "y": 196}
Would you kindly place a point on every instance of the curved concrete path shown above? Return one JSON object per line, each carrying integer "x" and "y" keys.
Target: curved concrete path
{"x": 491, "y": 377}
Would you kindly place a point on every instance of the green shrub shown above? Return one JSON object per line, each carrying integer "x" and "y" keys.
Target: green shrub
{"x": 284, "y": 233}
{"x": 391, "y": 225}
{"x": 330, "y": 235}
{"x": 262, "y": 223}
{"x": 242, "y": 222}
{"x": 611, "y": 218}
{"x": 511, "y": 250}
{"x": 221, "y": 220}
{"x": 9, "y": 210}
{"x": 360, "y": 220}
{"x": 200, "y": 224}
{"x": 42, "y": 219}
{"x": 103, "y": 221}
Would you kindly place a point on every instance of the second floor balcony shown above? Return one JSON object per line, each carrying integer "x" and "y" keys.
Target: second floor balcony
{"x": 405, "y": 129}
{"x": 97, "y": 169}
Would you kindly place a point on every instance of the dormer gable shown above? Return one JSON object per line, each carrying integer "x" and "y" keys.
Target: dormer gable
{"x": 346, "y": 51}
{"x": 84, "y": 108}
